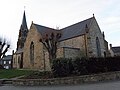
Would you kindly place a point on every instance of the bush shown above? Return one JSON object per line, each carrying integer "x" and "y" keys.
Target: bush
{"x": 79, "y": 65}
{"x": 62, "y": 67}
{"x": 83, "y": 66}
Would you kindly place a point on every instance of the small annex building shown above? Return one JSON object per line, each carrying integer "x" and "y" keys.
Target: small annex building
{"x": 114, "y": 51}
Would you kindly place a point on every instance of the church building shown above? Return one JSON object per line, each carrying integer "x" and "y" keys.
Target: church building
{"x": 18, "y": 55}
{"x": 83, "y": 39}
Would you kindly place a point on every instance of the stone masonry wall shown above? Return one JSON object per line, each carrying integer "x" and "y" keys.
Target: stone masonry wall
{"x": 68, "y": 52}
{"x": 94, "y": 32}
{"x": 71, "y": 52}
{"x": 16, "y": 60}
{"x": 60, "y": 53}
{"x": 76, "y": 42}
{"x": 34, "y": 36}
{"x": 69, "y": 80}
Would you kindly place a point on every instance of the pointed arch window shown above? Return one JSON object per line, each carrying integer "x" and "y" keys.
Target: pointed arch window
{"x": 32, "y": 53}
{"x": 98, "y": 47}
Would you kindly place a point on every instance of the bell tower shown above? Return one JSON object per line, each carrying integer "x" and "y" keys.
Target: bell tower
{"x": 22, "y": 33}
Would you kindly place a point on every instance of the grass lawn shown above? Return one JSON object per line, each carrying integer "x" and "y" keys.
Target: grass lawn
{"x": 13, "y": 73}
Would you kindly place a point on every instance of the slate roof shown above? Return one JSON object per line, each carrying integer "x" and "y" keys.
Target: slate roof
{"x": 67, "y": 32}
{"x": 76, "y": 29}
{"x": 45, "y": 30}
{"x": 8, "y": 57}
{"x": 20, "y": 50}
{"x": 116, "y": 49}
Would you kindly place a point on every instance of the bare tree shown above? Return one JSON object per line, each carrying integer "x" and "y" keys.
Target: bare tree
{"x": 4, "y": 46}
{"x": 50, "y": 42}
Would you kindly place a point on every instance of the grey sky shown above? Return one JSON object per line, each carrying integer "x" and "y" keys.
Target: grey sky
{"x": 59, "y": 13}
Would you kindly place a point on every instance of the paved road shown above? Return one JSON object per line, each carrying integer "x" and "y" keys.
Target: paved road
{"x": 99, "y": 86}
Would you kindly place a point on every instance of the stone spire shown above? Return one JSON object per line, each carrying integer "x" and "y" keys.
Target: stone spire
{"x": 22, "y": 33}
{"x": 24, "y": 23}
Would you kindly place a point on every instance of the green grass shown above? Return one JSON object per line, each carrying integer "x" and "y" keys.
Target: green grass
{"x": 7, "y": 74}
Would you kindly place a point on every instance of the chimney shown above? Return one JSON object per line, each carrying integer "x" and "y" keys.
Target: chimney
{"x": 110, "y": 46}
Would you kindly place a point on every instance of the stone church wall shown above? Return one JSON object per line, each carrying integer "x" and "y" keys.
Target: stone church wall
{"x": 60, "y": 52}
{"x": 107, "y": 52}
{"x": 33, "y": 36}
{"x": 71, "y": 52}
{"x": 16, "y": 60}
{"x": 91, "y": 38}
{"x": 46, "y": 61}
{"x": 67, "y": 52}
{"x": 76, "y": 42}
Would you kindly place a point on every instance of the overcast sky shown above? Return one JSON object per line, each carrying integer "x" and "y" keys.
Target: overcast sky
{"x": 59, "y": 13}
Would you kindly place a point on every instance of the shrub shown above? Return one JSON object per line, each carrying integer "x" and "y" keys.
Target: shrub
{"x": 62, "y": 67}
{"x": 83, "y": 66}
{"x": 80, "y": 66}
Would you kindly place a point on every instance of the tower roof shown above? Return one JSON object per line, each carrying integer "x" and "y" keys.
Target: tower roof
{"x": 24, "y": 23}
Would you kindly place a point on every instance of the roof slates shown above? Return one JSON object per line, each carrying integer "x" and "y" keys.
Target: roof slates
{"x": 68, "y": 32}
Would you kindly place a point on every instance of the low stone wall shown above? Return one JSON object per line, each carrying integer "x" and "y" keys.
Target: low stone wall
{"x": 69, "y": 80}
{"x": 1, "y": 81}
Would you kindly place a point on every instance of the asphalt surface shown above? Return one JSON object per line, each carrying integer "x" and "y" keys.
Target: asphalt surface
{"x": 115, "y": 85}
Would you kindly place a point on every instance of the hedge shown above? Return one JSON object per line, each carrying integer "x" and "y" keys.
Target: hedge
{"x": 83, "y": 66}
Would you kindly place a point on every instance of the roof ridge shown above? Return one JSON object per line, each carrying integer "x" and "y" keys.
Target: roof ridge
{"x": 77, "y": 23}
{"x": 45, "y": 27}
{"x": 64, "y": 27}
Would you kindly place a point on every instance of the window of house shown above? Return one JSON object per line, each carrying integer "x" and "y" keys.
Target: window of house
{"x": 9, "y": 62}
{"x": 98, "y": 47}
{"x": 4, "y": 62}
{"x": 32, "y": 53}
